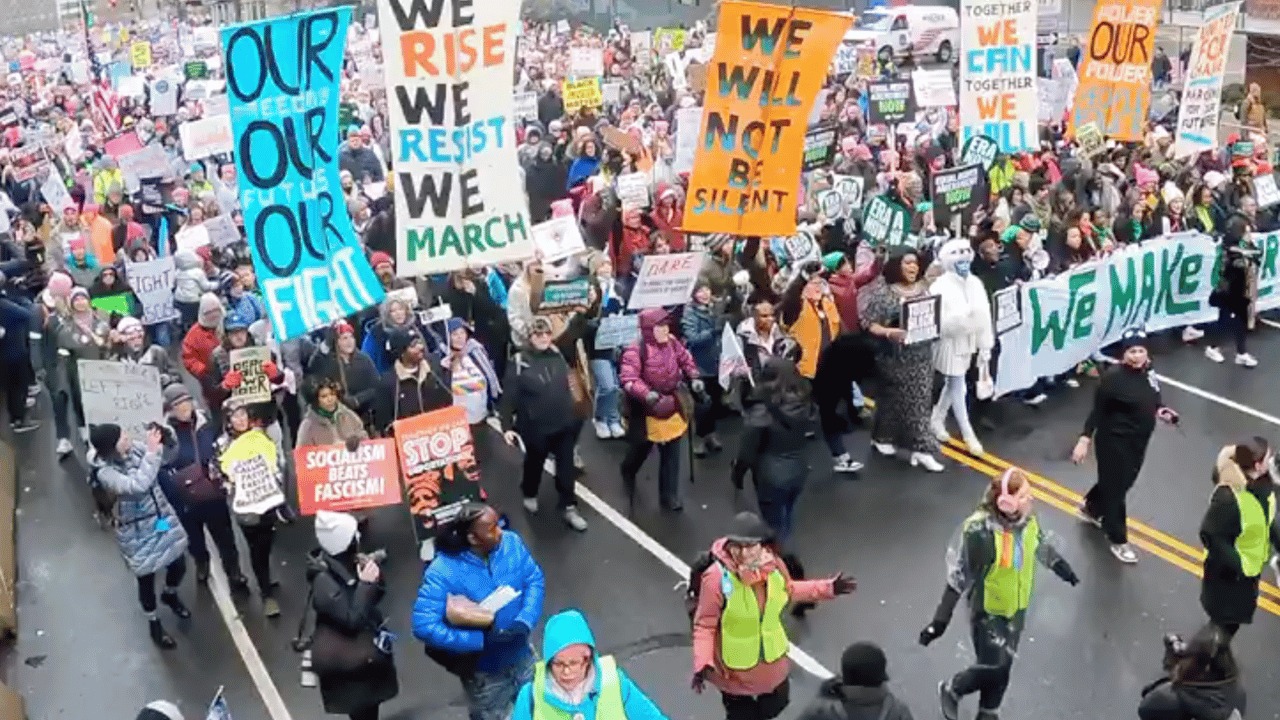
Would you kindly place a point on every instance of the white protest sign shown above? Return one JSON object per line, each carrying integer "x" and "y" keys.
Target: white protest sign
{"x": 1005, "y": 305}
{"x": 192, "y": 237}
{"x": 688, "y": 123}
{"x": 558, "y": 238}
{"x": 164, "y": 97}
{"x": 124, "y": 394}
{"x": 131, "y": 86}
{"x": 611, "y": 92}
{"x": 406, "y": 295}
{"x": 922, "y": 319}
{"x": 633, "y": 190}
{"x": 206, "y": 136}
{"x": 850, "y": 188}
{"x": 152, "y": 282}
{"x": 148, "y": 162}
{"x": 585, "y": 62}
{"x": 1264, "y": 187}
{"x": 216, "y": 105}
{"x": 846, "y": 59}
{"x": 665, "y": 280}
{"x": 255, "y": 386}
{"x": 934, "y": 88}
{"x": 222, "y": 231}
{"x": 55, "y": 192}
{"x": 526, "y": 106}
{"x": 73, "y": 144}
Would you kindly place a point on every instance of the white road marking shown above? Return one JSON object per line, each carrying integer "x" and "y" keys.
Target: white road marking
{"x": 221, "y": 591}
{"x": 1214, "y": 397}
{"x": 665, "y": 556}
{"x": 1271, "y": 323}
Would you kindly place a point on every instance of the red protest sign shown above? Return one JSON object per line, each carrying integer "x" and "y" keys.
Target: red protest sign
{"x": 330, "y": 478}
{"x": 438, "y": 462}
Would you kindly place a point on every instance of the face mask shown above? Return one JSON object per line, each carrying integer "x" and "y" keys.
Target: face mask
{"x": 962, "y": 268}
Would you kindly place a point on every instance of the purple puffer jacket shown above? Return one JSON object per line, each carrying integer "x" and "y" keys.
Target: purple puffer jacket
{"x": 664, "y": 366}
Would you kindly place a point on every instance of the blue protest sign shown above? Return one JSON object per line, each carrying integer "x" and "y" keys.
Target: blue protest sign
{"x": 282, "y": 90}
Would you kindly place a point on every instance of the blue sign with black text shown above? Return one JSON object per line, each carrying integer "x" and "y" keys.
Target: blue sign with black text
{"x": 282, "y": 88}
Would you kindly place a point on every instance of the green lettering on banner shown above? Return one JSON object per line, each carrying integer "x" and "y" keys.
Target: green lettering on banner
{"x": 1078, "y": 317}
{"x": 1167, "y": 303}
{"x": 1189, "y": 280}
{"x": 475, "y": 239}
{"x": 1267, "y": 271}
{"x": 1123, "y": 293}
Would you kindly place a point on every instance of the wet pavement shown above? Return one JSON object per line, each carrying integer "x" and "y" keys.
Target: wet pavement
{"x": 83, "y": 651}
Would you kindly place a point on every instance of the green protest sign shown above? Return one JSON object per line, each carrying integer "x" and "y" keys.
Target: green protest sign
{"x": 979, "y": 149}
{"x": 884, "y": 222}
{"x": 195, "y": 70}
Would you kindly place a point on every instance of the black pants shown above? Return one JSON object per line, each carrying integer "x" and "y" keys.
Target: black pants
{"x": 537, "y": 449}
{"x": 995, "y": 643}
{"x": 757, "y": 707}
{"x": 668, "y": 466}
{"x": 707, "y": 414}
{"x": 366, "y": 713}
{"x": 1119, "y": 461}
{"x": 1230, "y": 324}
{"x": 17, "y": 382}
{"x": 172, "y": 579}
{"x": 260, "y": 538}
{"x": 212, "y": 514}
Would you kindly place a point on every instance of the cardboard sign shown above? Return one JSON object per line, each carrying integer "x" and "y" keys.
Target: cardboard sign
{"x": 206, "y": 137}
{"x": 124, "y": 394}
{"x": 890, "y": 102}
{"x": 557, "y": 295}
{"x": 255, "y": 386}
{"x": 584, "y": 93}
{"x": 251, "y": 467}
{"x": 331, "y": 478}
{"x": 1115, "y": 69}
{"x": 922, "y": 319}
{"x": 438, "y": 464}
{"x": 558, "y": 238}
{"x": 619, "y": 140}
{"x": 1006, "y": 307}
{"x": 617, "y": 331}
{"x": 665, "y": 280}
{"x": 633, "y": 190}
{"x": 152, "y": 283}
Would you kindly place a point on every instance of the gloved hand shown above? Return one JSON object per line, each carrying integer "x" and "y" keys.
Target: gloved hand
{"x": 843, "y": 585}
{"x": 652, "y": 397}
{"x": 1064, "y": 571}
{"x": 353, "y": 442}
{"x": 698, "y": 386}
{"x": 232, "y": 380}
{"x": 511, "y": 633}
{"x": 269, "y": 369}
{"x": 699, "y": 682}
{"x": 932, "y": 632}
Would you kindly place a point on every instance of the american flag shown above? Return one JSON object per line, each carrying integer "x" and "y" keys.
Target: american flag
{"x": 105, "y": 105}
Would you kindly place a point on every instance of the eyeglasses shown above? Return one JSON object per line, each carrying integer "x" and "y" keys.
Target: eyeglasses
{"x": 567, "y": 665}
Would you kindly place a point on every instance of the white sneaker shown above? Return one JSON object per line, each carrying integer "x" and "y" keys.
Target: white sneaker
{"x": 64, "y": 447}
{"x": 1246, "y": 360}
{"x": 844, "y": 463}
{"x": 1213, "y": 354}
{"x": 602, "y": 429}
{"x": 927, "y": 461}
{"x": 578, "y": 462}
{"x": 574, "y": 519}
{"x": 1124, "y": 553}
{"x": 1071, "y": 382}
{"x": 531, "y": 505}
{"x": 885, "y": 449}
{"x": 1191, "y": 333}
{"x": 1036, "y": 400}
{"x": 616, "y": 429}
{"x": 975, "y": 447}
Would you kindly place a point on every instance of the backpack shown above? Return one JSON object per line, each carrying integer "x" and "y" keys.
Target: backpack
{"x": 104, "y": 501}
{"x": 693, "y": 586}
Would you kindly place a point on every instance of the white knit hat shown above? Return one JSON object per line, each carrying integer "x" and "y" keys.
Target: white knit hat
{"x": 335, "y": 531}
{"x": 160, "y": 710}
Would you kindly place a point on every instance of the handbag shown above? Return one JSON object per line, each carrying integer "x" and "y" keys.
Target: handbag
{"x": 333, "y": 651}
{"x": 194, "y": 483}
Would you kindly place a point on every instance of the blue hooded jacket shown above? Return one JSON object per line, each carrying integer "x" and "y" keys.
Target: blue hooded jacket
{"x": 468, "y": 575}
{"x": 570, "y": 628}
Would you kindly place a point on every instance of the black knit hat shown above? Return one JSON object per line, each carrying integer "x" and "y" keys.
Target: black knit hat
{"x": 398, "y": 341}
{"x": 863, "y": 664}
{"x": 104, "y": 438}
{"x": 748, "y": 528}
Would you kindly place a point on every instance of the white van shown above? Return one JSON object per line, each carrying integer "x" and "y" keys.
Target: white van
{"x": 916, "y": 31}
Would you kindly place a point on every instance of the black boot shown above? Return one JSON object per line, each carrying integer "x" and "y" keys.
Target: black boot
{"x": 160, "y": 637}
{"x": 238, "y": 583}
{"x": 175, "y": 604}
{"x": 202, "y": 572}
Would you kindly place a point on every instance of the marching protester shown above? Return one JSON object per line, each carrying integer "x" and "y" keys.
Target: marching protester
{"x": 859, "y": 692}
{"x": 1201, "y": 680}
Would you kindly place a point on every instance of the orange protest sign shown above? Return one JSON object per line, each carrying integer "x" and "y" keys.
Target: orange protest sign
{"x": 438, "y": 463}
{"x": 330, "y": 478}
{"x": 1115, "y": 69}
{"x": 768, "y": 65}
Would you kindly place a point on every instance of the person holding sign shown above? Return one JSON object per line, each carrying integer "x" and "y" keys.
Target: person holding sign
{"x": 132, "y": 348}
{"x": 148, "y": 532}
{"x": 966, "y": 331}
{"x": 225, "y": 379}
{"x": 905, "y": 403}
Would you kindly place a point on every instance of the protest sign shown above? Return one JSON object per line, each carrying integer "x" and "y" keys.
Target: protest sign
{"x": 164, "y": 97}
{"x": 934, "y": 88}
{"x": 830, "y": 205}
{"x": 850, "y": 188}
{"x": 251, "y": 467}
{"x": 617, "y": 331}
{"x": 890, "y": 102}
{"x": 140, "y": 53}
{"x": 525, "y": 106}
{"x": 559, "y": 294}
{"x": 1264, "y": 189}
{"x": 148, "y": 162}
{"x": 884, "y": 222}
{"x": 28, "y": 161}
{"x": 922, "y": 319}
{"x": 206, "y": 137}
{"x": 1006, "y": 309}
{"x": 732, "y": 359}
{"x": 765, "y": 72}
{"x": 73, "y": 144}
{"x": 331, "y": 478}
{"x": 642, "y": 47}
{"x": 406, "y": 295}
{"x": 998, "y": 73}
{"x": 457, "y": 204}
{"x": 957, "y": 191}
{"x": 1052, "y": 99}
{"x": 1115, "y": 69}
{"x": 1199, "y": 112}
{"x": 979, "y": 149}
{"x": 222, "y": 231}
{"x": 611, "y": 92}
{"x": 558, "y": 238}
{"x": 688, "y": 120}
{"x": 633, "y": 190}
{"x": 255, "y": 386}
{"x": 112, "y": 304}
{"x": 124, "y": 394}
{"x": 665, "y": 280}
{"x": 195, "y": 70}
{"x": 309, "y": 264}
{"x": 584, "y": 93}
{"x": 55, "y": 192}
{"x": 1089, "y": 139}
{"x": 192, "y": 237}
{"x": 438, "y": 464}
{"x": 121, "y": 145}
{"x": 152, "y": 283}
{"x": 619, "y": 140}
{"x": 819, "y": 146}
{"x": 667, "y": 40}
{"x": 214, "y": 105}
{"x": 846, "y": 59}
{"x": 585, "y": 62}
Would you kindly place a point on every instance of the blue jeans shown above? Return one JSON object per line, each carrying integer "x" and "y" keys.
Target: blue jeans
{"x": 605, "y": 377}
{"x": 492, "y": 695}
{"x": 778, "y": 508}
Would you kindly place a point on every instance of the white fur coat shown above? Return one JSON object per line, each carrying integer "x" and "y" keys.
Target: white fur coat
{"x": 966, "y": 322}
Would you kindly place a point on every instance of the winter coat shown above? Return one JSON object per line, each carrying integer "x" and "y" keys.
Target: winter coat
{"x": 348, "y": 605}
{"x": 248, "y": 307}
{"x": 201, "y": 340}
{"x": 148, "y": 531}
{"x": 404, "y": 393}
{"x": 1220, "y": 700}
{"x": 700, "y": 327}
{"x": 570, "y": 628}
{"x": 966, "y": 323}
{"x": 83, "y": 273}
{"x": 357, "y": 375}
{"x": 1226, "y": 594}
{"x": 664, "y": 367}
{"x": 189, "y": 280}
{"x": 538, "y": 402}
{"x": 757, "y": 350}
{"x": 316, "y": 430}
{"x": 544, "y": 183}
{"x": 773, "y": 443}
{"x": 483, "y": 313}
{"x": 187, "y": 444}
{"x": 765, "y": 677}
{"x": 836, "y": 701}
{"x": 473, "y": 577}
{"x": 380, "y": 329}
{"x": 844, "y": 291}
{"x": 152, "y": 355}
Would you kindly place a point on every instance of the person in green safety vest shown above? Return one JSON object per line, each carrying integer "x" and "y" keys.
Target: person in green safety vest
{"x": 1238, "y": 532}
{"x": 739, "y": 643}
{"x": 575, "y": 683}
{"x": 993, "y": 562}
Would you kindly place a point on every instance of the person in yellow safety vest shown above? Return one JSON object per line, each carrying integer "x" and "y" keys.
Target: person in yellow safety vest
{"x": 993, "y": 562}
{"x": 1001, "y": 174}
{"x": 1238, "y": 532}
{"x": 108, "y": 174}
{"x": 574, "y": 683}
{"x": 739, "y": 643}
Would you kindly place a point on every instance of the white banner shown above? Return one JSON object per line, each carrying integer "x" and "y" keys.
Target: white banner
{"x": 998, "y": 73}
{"x": 665, "y": 280}
{"x": 934, "y": 88}
{"x": 1202, "y": 92}
{"x": 152, "y": 282}
{"x": 1161, "y": 283}
{"x": 558, "y": 238}
{"x": 164, "y": 97}
{"x": 124, "y": 394}
{"x": 585, "y": 62}
{"x": 457, "y": 204}
{"x": 206, "y": 136}
{"x": 688, "y": 123}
